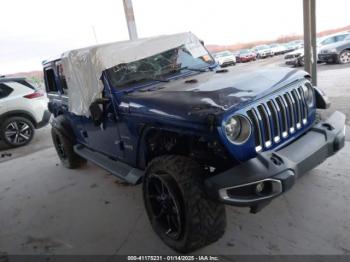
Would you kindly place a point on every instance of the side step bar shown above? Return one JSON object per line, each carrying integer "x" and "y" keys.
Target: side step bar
{"x": 129, "y": 174}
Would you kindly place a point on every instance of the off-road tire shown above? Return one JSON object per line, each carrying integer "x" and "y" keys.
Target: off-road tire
{"x": 204, "y": 220}
{"x": 65, "y": 150}
{"x": 17, "y": 120}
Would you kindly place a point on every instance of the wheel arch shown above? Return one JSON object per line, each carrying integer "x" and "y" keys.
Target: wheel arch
{"x": 62, "y": 124}
{"x": 19, "y": 113}
{"x": 156, "y": 141}
{"x": 144, "y": 156}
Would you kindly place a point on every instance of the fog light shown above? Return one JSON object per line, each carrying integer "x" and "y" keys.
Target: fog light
{"x": 259, "y": 187}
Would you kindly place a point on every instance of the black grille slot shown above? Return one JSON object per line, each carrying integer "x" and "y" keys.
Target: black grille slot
{"x": 291, "y": 114}
{"x": 283, "y": 110}
{"x": 257, "y": 131}
{"x": 275, "y": 121}
{"x": 277, "y": 118}
{"x": 298, "y": 106}
{"x": 305, "y": 108}
{"x": 266, "y": 125}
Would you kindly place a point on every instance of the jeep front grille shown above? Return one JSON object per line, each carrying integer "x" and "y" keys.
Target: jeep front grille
{"x": 278, "y": 118}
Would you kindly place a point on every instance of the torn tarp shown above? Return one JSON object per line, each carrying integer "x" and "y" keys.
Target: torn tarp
{"x": 83, "y": 67}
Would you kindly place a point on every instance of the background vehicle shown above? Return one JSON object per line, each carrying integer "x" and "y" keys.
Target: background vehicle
{"x": 289, "y": 47}
{"x": 278, "y": 49}
{"x": 336, "y": 53}
{"x": 296, "y": 58}
{"x": 263, "y": 51}
{"x": 225, "y": 58}
{"x": 297, "y": 44}
{"x": 246, "y": 55}
{"x": 22, "y": 109}
{"x": 198, "y": 137}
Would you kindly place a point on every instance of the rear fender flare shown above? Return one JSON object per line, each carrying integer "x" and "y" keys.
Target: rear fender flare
{"x": 63, "y": 125}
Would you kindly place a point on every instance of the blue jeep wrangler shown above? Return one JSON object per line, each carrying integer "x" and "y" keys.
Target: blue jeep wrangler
{"x": 161, "y": 111}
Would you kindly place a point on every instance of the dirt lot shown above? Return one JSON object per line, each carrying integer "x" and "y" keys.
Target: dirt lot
{"x": 47, "y": 209}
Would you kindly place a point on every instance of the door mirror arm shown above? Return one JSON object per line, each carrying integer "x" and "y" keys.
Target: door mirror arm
{"x": 96, "y": 113}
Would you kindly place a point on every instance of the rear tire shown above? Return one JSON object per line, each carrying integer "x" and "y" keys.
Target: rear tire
{"x": 177, "y": 206}
{"x": 65, "y": 150}
{"x": 16, "y": 131}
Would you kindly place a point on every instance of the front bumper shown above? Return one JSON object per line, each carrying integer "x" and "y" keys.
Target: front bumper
{"x": 227, "y": 63}
{"x": 330, "y": 58}
{"x": 257, "y": 181}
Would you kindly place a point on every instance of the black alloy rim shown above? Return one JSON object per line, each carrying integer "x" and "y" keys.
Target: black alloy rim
{"x": 164, "y": 206}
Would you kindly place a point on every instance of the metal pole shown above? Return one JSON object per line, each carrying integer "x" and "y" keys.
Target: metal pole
{"x": 313, "y": 42}
{"x": 310, "y": 52}
{"x": 130, "y": 19}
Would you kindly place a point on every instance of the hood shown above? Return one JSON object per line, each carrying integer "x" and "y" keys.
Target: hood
{"x": 194, "y": 97}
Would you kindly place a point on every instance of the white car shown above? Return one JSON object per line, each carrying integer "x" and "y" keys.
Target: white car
{"x": 278, "y": 49}
{"x": 263, "y": 51}
{"x": 225, "y": 58}
{"x": 23, "y": 109}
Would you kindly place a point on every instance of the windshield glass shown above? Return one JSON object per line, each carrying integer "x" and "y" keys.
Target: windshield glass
{"x": 160, "y": 66}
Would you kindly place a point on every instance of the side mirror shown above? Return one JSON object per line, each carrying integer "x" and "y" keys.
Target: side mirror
{"x": 102, "y": 101}
{"x": 96, "y": 113}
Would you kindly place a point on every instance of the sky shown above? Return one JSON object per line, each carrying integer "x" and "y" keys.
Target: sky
{"x": 34, "y": 30}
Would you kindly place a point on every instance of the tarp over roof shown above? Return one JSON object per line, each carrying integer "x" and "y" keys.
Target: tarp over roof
{"x": 83, "y": 67}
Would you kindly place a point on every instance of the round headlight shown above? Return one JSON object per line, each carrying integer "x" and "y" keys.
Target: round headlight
{"x": 237, "y": 129}
{"x": 308, "y": 94}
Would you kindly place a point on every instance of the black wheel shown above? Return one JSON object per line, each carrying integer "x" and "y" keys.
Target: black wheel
{"x": 65, "y": 150}
{"x": 344, "y": 57}
{"x": 178, "y": 209}
{"x": 17, "y": 131}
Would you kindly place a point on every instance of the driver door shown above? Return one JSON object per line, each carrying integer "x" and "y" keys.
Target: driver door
{"x": 105, "y": 137}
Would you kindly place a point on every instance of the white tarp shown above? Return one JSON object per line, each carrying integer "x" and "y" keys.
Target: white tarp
{"x": 83, "y": 67}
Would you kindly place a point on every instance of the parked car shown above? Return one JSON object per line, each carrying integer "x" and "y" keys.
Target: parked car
{"x": 297, "y": 44}
{"x": 162, "y": 112}
{"x": 263, "y": 51}
{"x": 246, "y": 55}
{"x": 336, "y": 53}
{"x": 289, "y": 47}
{"x": 296, "y": 58}
{"x": 236, "y": 54}
{"x": 23, "y": 109}
{"x": 225, "y": 58}
{"x": 278, "y": 49}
